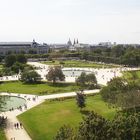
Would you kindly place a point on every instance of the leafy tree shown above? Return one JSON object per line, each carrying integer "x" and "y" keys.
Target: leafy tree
{"x": 91, "y": 80}
{"x": 10, "y": 60}
{"x": 16, "y": 67}
{"x": 30, "y": 77}
{"x": 21, "y": 58}
{"x": 55, "y": 73}
{"x": 95, "y": 127}
{"x": 114, "y": 87}
{"x": 80, "y": 98}
{"x": 64, "y": 133}
{"x": 1, "y": 58}
{"x": 81, "y": 80}
{"x": 87, "y": 80}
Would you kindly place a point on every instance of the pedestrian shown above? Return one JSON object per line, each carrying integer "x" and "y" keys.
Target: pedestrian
{"x": 20, "y": 125}
{"x": 17, "y": 125}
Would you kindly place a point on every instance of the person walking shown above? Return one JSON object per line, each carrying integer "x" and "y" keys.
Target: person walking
{"x": 17, "y": 125}
{"x": 21, "y": 125}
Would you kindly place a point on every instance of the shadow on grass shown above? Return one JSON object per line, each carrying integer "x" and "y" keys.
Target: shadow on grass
{"x": 84, "y": 112}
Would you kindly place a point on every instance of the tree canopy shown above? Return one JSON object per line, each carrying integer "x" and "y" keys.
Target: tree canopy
{"x": 30, "y": 77}
{"x": 55, "y": 74}
{"x": 80, "y": 99}
{"x": 95, "y": 127}
{"x": 87, "y": 80}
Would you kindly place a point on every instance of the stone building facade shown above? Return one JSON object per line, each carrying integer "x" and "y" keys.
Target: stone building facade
{"x": 23, "y": 47}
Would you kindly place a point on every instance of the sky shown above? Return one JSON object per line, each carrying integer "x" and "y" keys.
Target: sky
{"x": 55, "y": 21}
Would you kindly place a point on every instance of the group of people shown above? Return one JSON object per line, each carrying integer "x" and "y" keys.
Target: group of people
{"x": 18, "y": 125}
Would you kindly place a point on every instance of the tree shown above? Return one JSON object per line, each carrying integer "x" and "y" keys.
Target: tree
{"x": 81, "y": 80}
{"x": 30, "y": 77}
{"x": 87, "y": 80}
{"x": 64, "y": 133}
{"x": 93, "y": 127}
{"x": 10, "y": 60}
{"x": 21, "y": 58}
{"x": 91, "y": 80}
{"x": 16, "y": 67}
{"x": 80, "y": 98}
{"x": 55, "y": 73}
{"x": 1, "y": 58}
{"x": 114, "y": 87}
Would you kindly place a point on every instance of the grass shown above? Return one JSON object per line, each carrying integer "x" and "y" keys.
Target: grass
{"x": 38, "y": 89}
{"x": 2, "y": 135}
{"x": 43, "y": 121}
{"x": 78, "y": 63}
{"x": 132, "y": 75}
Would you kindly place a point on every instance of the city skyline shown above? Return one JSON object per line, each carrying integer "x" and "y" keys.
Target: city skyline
{"x": 52, "y": 21}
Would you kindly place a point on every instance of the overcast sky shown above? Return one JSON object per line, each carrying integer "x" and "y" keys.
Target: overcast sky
{"x": 54, "y": 21}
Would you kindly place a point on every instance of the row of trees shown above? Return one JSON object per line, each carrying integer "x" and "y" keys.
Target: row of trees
{"x": 54, "y": 74}
{"x": 10, "y": 60}
{"x": 95, "y": 127}
{"x": 126, "y": 55}
{"x": 13, "y": 64}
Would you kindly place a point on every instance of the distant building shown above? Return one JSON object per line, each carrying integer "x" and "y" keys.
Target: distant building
{"x": 105, "y": 44}
{"x": 69, "y": 46}
{"x": 23, "y": 47}
{"x": 78, "y": 46}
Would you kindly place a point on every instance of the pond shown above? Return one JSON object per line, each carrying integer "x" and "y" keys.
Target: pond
{"x": 11, "y": 102}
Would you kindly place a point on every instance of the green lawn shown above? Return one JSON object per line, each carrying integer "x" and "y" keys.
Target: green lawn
{"x": 74, "y": 63}
{"x": 43, "y": 121}
{"x": 39, "y": 89}
{"x": 132, "y": 75}
{"x": 2, "y": 135}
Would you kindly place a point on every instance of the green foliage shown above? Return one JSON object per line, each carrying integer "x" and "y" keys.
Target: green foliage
{"x": 21, "y": 58}
{"x": 10, "y": 60}
{"x": 80, "y": 100}
{"x": 126, "y": 55}
{"x": 87, "y": 80}
{"x": 55, "y": 73}
{"x": 123, "y": 93}
{"x": 14, "y": 64}
{"x": 1, "y": 58}
{"x": 95, "y": 127}
{"x": 30, "y": 77}
{"x": 17, "y": 67}
{"x": 64, "y": 133}
{"x": 81, "y": 80}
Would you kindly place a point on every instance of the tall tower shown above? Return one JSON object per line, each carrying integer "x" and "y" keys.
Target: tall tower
{"x": 69, "y": 42}
{"x": 74, "y": 42}
{"x": 77, "y": 41}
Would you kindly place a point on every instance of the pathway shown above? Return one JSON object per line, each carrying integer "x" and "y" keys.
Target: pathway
{"x": 21, "y": 134}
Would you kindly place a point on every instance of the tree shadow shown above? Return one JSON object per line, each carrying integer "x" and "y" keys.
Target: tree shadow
{"x": 85, "y": 112}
